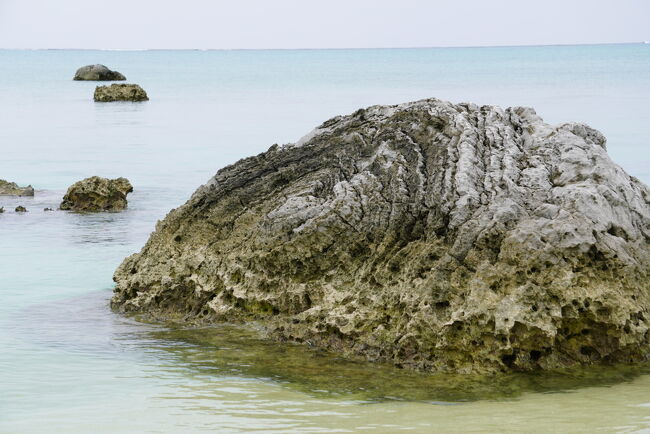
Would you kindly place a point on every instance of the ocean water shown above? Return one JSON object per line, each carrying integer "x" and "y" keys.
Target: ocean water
{"x": 68, "y": 364}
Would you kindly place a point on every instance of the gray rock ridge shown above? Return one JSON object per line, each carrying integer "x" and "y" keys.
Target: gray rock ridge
{"x": 97, "y": 194}
{"x": 12, "y": 189}
{"x": 436, "y": 236}
{"x": 120, "y": 92}
{"x": 97, "y": 73}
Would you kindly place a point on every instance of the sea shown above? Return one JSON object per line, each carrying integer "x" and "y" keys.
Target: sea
{"x": 69, "y": 364}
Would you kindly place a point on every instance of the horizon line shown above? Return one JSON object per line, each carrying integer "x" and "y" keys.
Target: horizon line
{"x": 329, "y": 48}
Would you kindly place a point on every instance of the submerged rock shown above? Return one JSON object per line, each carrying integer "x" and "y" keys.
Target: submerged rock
{"x": 48, "y": 209}
{"x": 436, "y": 236}
{"x": 20, "y": 208}
{"x": 12, "y": 189}
{"x": 97, "y": 194}
{"x": 120, "y": 92}
{"x": 97, "y": 73}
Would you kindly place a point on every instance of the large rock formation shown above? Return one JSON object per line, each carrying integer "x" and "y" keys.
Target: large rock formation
{"x": 432, "y": 235}
{"x": 120, "y": 92}
{"x": 97, "y": 194}
{"x": 12, "y": 189}
{"x": 97, "y": 73}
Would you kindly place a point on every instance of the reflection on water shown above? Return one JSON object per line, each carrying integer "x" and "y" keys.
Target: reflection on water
{"x": 85, "y": 324}
{"x": 229, "y": 350}
{"x": 224, "y": 377}
{"x": 67, "y": 364}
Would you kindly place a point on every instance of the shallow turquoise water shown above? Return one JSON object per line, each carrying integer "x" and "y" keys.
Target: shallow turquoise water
{"x": 68, "y": 364}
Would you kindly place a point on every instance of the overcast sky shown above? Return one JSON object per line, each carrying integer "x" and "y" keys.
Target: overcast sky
{"x": 318, "y": 24}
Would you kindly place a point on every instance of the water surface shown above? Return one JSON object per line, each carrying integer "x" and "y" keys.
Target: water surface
{"x": 70, "y": 365}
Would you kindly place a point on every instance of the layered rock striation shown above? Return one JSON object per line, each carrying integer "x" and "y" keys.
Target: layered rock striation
{"x": 437, "y": 236}
{"x": 97, "y": 194}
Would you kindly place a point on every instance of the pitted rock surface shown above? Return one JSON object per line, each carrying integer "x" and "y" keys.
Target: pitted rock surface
{"x": 12, "y": 189}
{"x": 437, "y": 236}
{"x": 97, "y": 194}
{"x": 120, "y": 92}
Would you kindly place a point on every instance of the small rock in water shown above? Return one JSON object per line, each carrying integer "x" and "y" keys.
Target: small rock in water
{"x": 97, "y": 194}
{"x": 97, "y": 73}
{"x": 12, "y": 189}
{"x": 21, "y": 208}
{"x": 120, "y": 92}
{"x": 2, "y": 209}
{"x": 48, "y": 209}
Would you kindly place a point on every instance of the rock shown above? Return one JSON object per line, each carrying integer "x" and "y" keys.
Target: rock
{"x": 12, "y": 189}
{"x": 436, "y": 236}
{"x": 97, "y": 194}
{"x": 120, "y": 92}
{"x": 97, "y": 73}
{"x": 2, "y": 209}
{"x": 20, "y": 208}
{"x": 48, "y": 209}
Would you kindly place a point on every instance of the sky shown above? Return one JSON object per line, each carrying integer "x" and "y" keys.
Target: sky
{"x": 133, "y": 24}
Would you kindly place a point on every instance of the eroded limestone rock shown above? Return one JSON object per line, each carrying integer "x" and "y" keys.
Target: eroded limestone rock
{"x": 120, "y": 92}
{"x": 433, "y": 235}
{"x": 97, "y": 194}
{"x": 97, "y": 73}
{"x": 12, "y": 189}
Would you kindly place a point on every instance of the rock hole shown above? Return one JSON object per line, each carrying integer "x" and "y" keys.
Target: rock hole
{"x": 588, "y": 351}
{"x": 508, "y": 360}
{"x": 442, "y": 305}
{"x": 307, "y": 301}
{"x": 535, "y": 355}
{"x": 534, "y": 308}
{"x": 604, "y": 311}
{"x": 617, "y": 231}
{"x": 177, "y": 238}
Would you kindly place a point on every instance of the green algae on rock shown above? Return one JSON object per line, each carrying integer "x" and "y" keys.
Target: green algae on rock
{"x": 97, "y": 73}
{"x": 97, "y": 194}
{"x": 436, "y": 236}
{"x": 120, "y": 92}
{"x": 12, "y": 189}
